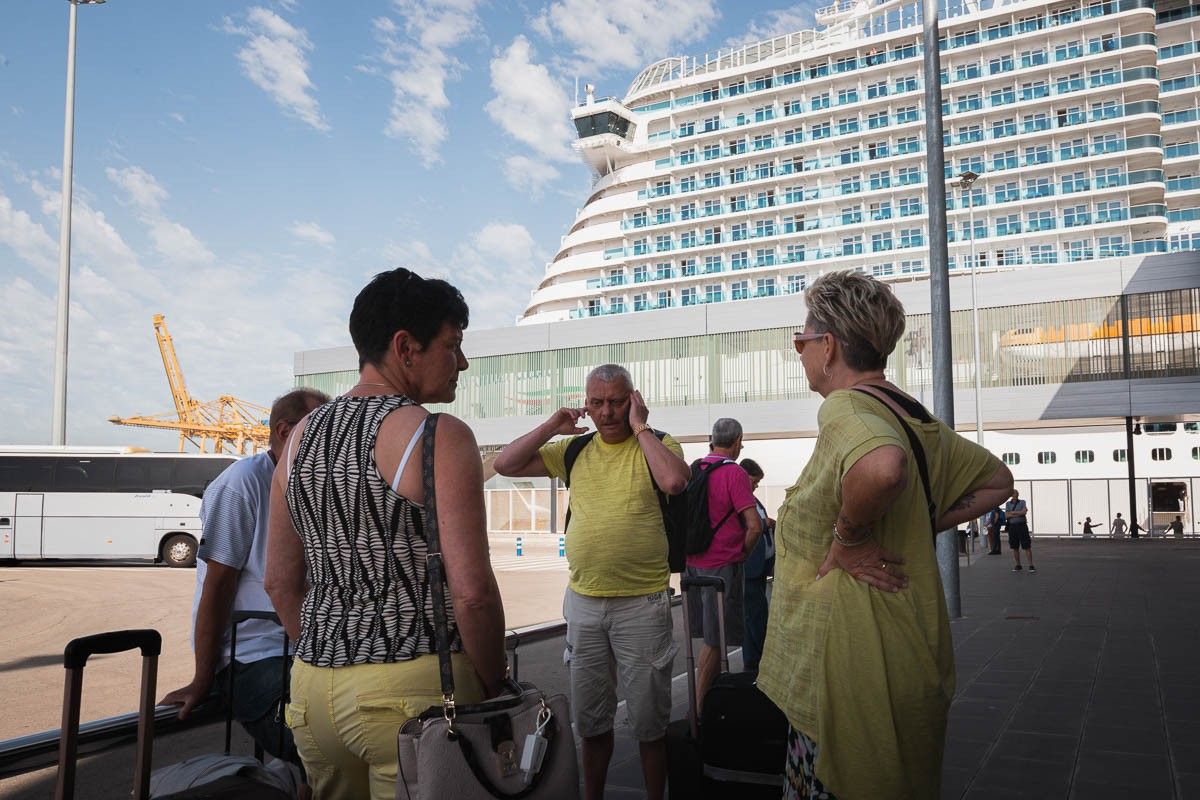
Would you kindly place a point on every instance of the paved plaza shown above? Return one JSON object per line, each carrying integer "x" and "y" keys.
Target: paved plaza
{"x": 1078, "y": 681}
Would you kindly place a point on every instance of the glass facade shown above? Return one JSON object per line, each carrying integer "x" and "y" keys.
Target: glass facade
{"x": 1153, "y": 335}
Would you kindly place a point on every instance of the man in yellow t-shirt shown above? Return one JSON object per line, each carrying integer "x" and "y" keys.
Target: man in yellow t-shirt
{"x": 618, "y": 613}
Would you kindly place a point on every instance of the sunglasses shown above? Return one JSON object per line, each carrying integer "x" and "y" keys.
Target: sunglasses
{"x": 800, "y": 338}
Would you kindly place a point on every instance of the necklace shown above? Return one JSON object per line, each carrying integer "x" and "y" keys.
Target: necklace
{"x": 369, "y": 383}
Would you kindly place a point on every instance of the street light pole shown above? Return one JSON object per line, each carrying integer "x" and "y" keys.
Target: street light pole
{"x": 58, "y": 427}
{"x": 966, "y": 180}
{"x": 939, "y": 280}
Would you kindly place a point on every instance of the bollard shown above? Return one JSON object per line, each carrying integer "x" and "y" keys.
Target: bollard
{"x": 520, "y": 543}
{"x": 562, "y": 546}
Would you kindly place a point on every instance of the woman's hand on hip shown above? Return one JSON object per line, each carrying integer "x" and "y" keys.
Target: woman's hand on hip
{"x": 868, "y": 562}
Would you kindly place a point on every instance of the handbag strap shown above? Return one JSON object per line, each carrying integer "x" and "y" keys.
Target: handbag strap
{"x": 918, "y": 452}
{"x": 436, "y": 573}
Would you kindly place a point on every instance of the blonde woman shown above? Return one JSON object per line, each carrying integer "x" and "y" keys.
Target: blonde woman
{"x": 858, "y": 652}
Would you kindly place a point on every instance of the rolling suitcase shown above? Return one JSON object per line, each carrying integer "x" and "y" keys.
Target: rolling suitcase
{"x": 738, "y": 746}
{"x": 75, "y": 657}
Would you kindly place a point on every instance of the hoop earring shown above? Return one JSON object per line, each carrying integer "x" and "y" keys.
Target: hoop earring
{"x": 825, "y": 370}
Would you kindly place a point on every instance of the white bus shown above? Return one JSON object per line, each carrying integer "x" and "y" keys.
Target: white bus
{"x": 102, "y": 503}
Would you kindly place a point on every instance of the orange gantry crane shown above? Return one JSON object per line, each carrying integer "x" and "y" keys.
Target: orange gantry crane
{"x": 227, "y": 423}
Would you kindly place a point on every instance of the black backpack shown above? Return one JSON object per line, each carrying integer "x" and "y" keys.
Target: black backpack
{"x": 674, "y": 509}
{"x": 700, "y": 530}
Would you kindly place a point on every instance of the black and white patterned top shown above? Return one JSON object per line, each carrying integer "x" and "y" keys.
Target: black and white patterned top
{"x": 368, "y": 601}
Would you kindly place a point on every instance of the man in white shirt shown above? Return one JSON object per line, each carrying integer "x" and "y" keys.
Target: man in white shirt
{"x": 230, "y": 565}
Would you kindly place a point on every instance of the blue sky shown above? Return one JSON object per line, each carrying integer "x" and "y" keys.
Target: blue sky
{"x": 244, "y": 167}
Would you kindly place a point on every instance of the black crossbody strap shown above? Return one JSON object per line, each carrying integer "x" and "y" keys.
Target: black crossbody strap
{"x": 436, "y": 570}
{"x": 918, "y": 453}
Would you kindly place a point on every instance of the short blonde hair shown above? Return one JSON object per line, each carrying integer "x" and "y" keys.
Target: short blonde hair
{"x": 861, "y": 312}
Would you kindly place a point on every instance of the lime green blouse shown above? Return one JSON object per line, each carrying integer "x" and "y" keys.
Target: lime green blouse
{"x": 867, "y": 674}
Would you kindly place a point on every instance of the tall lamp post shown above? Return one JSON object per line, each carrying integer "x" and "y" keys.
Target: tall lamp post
{"x": 966, "y": 180}
{"x": 58, "y": 428}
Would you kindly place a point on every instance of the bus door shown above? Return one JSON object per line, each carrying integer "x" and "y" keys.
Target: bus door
{"x": 27, "y": 526}
{"x": 6, "y": 533}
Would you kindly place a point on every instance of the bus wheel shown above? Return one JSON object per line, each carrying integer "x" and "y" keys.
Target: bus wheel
{"x": 179, "y": 551}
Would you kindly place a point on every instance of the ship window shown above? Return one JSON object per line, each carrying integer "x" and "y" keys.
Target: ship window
{"x": 1047, "y": 457}
{"x": 1196, "y": 453}
{"x": 1011, "y": 459}
{"x": 1084, "y": 456}
{"x": 1159, "y": 427}
{"x": 1160, "y": 454}
{"x": 1119, "y": 455}
{"x": 1191, "y": 427}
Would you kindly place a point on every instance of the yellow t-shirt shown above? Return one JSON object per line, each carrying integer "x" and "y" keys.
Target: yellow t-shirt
{"x": 616, "y": 543}
{"x": 867, "y": 674}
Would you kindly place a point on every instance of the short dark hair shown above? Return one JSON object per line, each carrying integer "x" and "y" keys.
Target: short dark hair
{"x": 400, "y": 299}
{"x": 752, "y": 468}
{"x": 292, "y": 406}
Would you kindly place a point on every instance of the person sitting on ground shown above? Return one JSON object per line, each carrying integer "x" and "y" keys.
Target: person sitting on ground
{"x": 1118, "y": 527}
{"x": 230, "y": 565}
{"x": 733, "y": 515}
{"x": 347, "y": 561}
{"x": 759, "y": 566}
{"x": 859, "y": 654}
{"x": 619, "y": 624}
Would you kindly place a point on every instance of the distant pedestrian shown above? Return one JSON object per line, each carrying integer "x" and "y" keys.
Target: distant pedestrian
{"x": 758, "y": 567}
{"x": 1119, "y": 526}
{"x": 992, "y": 521}
{"x": 1088, "y": 528}
{"x": 1176, "y": 527}
{"x": 1016, "y": 511}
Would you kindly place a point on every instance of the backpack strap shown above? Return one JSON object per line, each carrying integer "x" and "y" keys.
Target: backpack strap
{"x": 571, "y": 455}
{"x": 707, "y": 473}
{"x": 913, "y": 442}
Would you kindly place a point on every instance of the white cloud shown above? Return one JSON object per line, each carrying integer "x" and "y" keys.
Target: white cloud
{"x": 175, "y": 115}
{"x": 26, "y": 237}
{"x": 528, "y": 174}
{"x": 274, "y": 59}
{"x": 625, "y": 34}
{"x": 266, "y": 307}
{"x": 530, "y": 105}
{"x": 418, "y": 64}
{"x": 494, "y": 269}
{"x": 312, "y": 233}
{"x": 778, "y": 22}
{"x": 171, "y": 239}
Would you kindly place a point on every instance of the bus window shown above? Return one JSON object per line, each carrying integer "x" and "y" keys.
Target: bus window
{"x": 84, "y": 475}
{"x": 25, "y": 474}
{"x": 143, "y": 475}
{"x": 192, "y": 476}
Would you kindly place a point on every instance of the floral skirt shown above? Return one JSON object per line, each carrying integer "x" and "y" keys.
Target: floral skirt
{"x": 802, "y": 783}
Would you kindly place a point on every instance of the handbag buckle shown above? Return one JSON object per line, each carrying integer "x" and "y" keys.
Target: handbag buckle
{"x": 449, "y": 713}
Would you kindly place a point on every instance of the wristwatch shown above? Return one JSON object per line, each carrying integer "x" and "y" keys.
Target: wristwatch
{"x": 640, "y": 429}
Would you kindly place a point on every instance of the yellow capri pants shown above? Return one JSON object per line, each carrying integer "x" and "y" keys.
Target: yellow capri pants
{"x": 345, "y": 719}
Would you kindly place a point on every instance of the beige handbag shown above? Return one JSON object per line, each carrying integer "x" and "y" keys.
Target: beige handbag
{"x": 517, "y": 745}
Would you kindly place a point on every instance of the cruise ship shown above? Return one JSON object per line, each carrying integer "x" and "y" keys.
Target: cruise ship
{"x": 745, "y": 173}
{"x": 724, "y": 184}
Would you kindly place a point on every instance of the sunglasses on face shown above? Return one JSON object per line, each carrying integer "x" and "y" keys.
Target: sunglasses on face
{"x": 800, "y": 338}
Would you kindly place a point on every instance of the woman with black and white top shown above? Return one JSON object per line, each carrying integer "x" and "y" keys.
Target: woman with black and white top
{"x": 346, "y": 560}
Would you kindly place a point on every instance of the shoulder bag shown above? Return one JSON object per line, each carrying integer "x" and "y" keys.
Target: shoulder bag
{"x": 478, "y": 751}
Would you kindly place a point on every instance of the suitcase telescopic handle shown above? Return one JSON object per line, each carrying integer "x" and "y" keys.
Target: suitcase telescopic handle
{"x": 701, "y": 582}
{"x": 242, "y": 616}
{"x": 77, "y": 651}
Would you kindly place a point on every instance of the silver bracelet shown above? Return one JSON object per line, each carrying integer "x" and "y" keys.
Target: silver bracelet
{"x": 844, "y": 542}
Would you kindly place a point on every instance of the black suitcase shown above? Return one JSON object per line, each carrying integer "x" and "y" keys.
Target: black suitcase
{"x": 75, "y": 657}
{"x": 738, "y": 746}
